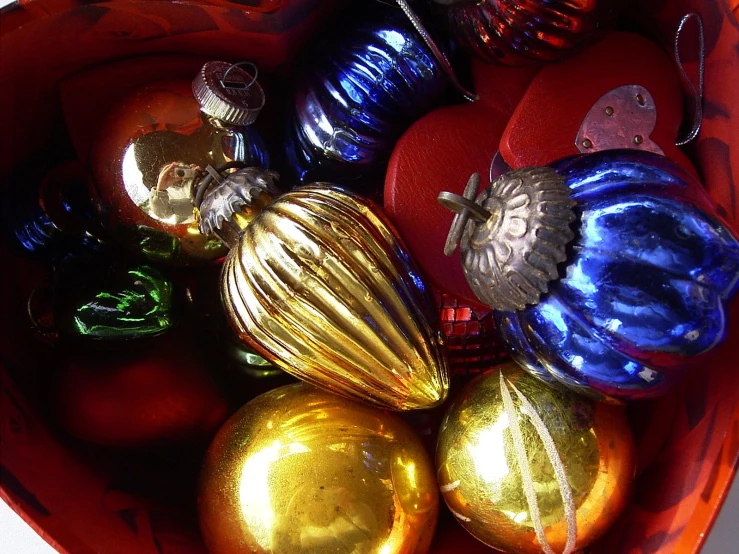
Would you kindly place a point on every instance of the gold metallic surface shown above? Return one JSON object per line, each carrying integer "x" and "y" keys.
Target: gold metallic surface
{"x": 321, "y": 286}
{"x": 150, "y": 153}
{"x": 300, "y": 470}
{"x": 501, "y": 491}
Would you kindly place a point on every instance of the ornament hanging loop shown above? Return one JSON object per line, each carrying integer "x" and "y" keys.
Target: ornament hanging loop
{"x": 695, "y": 91}
{"x": 438, "y": 54}
{"x": 237, "y": 85}
{"x": 465, "y": 207}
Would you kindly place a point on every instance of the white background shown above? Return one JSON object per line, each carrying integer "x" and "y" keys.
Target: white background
{"x": 18, "y": 538}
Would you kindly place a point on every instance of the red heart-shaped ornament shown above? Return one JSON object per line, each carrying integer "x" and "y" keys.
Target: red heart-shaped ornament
{"x": 439, "y": 152}
{"x": 544, "y": 127}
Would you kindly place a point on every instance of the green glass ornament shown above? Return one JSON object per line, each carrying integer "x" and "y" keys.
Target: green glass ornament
{"x": 113, "y": 303}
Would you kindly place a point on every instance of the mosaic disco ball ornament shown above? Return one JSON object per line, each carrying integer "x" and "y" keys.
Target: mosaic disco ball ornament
{"x": 607, "y": 273}
{"x": 471, "y": 336}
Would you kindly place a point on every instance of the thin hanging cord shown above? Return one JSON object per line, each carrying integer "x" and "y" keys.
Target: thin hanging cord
{"x": 696, "y": 94}
{"x": 519, "y": 448}
{"x": 560, "y": 472}
{"x": 438, "y": 54}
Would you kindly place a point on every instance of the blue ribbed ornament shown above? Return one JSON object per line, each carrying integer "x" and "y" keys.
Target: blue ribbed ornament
{"x": 48, "y": 215}
{"x": 607, "y": 272}
{"x": 358, "y": 97}
{"x": 645, "y": 283}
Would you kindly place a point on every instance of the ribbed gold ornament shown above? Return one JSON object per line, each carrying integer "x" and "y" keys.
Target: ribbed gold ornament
{"x": 529, "y": 469}
{"x": 302, "y": 471}
{"x": 320, "y": 284}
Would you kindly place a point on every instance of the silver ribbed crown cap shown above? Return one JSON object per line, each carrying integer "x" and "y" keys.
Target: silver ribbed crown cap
{"x": 236, "y": 101}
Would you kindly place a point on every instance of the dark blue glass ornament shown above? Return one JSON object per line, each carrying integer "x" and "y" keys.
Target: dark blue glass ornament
{"x": 644, "y": 282}
{"x": 353, "y": 104}
{"x": 645, "y": 286}
{"x": 48, "y": 214}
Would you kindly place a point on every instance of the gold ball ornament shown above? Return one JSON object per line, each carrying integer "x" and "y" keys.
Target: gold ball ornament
{"x": 527, "y": 468}
{"x": 319, "y": 283}
{"x": 301, "y": 470}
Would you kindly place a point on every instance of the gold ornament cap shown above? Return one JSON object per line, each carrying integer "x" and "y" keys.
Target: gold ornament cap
{"x": 228, "y": 93}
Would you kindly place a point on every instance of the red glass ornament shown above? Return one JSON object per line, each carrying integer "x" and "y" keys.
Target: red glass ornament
{"x": 148, "y": 397}
{"x": 153, "y": 149}
{"x": 524, "y": 31}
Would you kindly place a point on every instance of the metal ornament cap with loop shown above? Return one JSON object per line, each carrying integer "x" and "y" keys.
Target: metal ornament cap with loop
{"x": 513, "y": 236}
{"x": 228, "y": 205}
{"x": 228, "y": 93}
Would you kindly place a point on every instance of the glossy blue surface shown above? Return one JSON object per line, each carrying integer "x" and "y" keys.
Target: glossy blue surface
{"x": 358, "y": 98}
{"x": 644, "y": 287}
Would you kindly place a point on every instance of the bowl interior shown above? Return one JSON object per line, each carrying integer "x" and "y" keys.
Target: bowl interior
{"x": 84, "y": 499}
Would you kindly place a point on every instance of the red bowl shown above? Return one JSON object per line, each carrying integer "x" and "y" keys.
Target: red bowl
{"x": 85, "y": 499}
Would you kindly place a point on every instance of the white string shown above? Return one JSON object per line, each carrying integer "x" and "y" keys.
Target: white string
{"x": 523, "y": 462}
{"x": 559, "y": 470}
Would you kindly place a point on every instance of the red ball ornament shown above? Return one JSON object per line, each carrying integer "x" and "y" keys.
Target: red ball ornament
{"x": 153, "y": 150}
{"x": 141, "y": 397}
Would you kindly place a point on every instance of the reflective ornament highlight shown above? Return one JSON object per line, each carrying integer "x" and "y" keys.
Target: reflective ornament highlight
{"x": 153, "y": 150}
{"x": 319, "y": 283}
{"x": 644, "y": 286}
{"x": 515, "y": 32}
{"x": 351, "y": 107}
{"x": 528, "y": 468}
{"x": 102, "y": 301}
{"x": 300, "y": 470}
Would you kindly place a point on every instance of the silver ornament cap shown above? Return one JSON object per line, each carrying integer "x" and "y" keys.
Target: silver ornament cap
{"x": 228, "y": 93}
{"x": 513, "y": 235}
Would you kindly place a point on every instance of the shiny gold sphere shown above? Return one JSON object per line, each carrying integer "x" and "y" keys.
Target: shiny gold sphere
{"x": 527, "y": 468}
{"x": 302, "y": 470}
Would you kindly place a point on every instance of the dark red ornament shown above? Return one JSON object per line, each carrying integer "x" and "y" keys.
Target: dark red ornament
{"x": 149, "y": 397}
{"x": 154, "y": 148}
{"x": 515, "y": 32}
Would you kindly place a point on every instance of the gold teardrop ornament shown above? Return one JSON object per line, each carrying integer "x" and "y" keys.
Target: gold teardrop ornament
{"x": 300, "y": 470}
{"x": 527, "y": 468}
{"x": 320, "y": 284}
